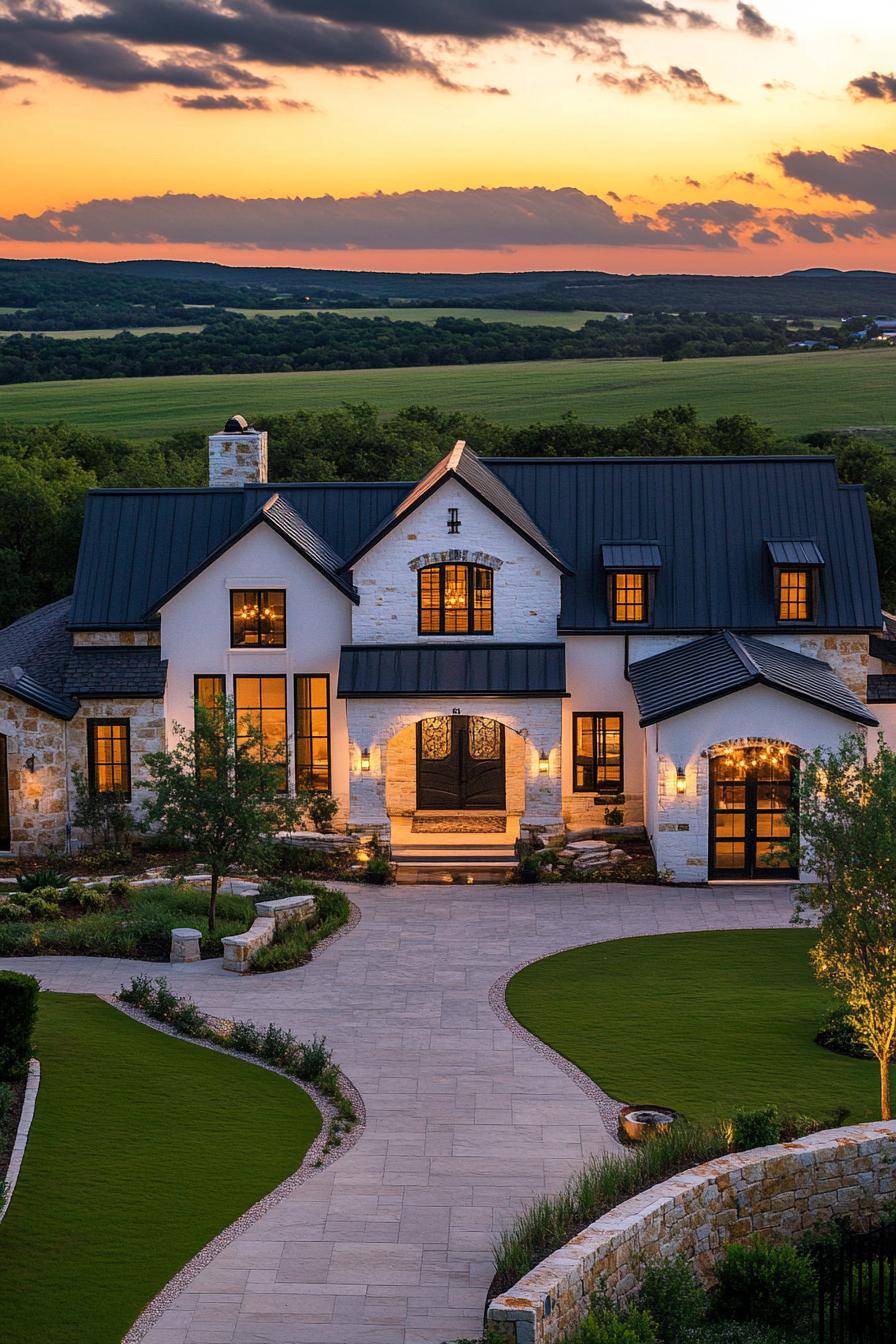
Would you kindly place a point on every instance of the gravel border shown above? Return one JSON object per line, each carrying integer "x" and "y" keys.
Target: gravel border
{"x": 315, "y": 1160}
{"x": 26, "y": 1115}
{"x": 608, "y": 1107}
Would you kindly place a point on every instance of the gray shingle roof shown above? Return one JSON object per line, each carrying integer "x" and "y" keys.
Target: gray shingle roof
{"x": 452, "y": 669}
{"x": 881, "y": 690}
{"x": 706, "y": 669}
{"x": 463, "y": 464}
{"x": 710, "y": 518}
{"x": 33, "y": 651}
{"x": 789, "y": 552}
{"x": 99, "y": 672}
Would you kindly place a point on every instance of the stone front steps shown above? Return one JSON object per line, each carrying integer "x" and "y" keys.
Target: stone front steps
{"x": 435, "y": 862}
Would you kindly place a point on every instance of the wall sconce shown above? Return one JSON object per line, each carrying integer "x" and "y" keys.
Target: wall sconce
{"x": 31, "y": 764}
{"x": 681, "y": 782}
{"x": 544, "y": 763}
{"x": 365, "y": 759}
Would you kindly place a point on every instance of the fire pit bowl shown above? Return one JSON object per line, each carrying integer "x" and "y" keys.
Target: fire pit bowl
{"x": 642, "y": 1122}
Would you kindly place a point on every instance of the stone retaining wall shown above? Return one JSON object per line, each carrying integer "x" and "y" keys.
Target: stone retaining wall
{"x": 779, "y": 1192}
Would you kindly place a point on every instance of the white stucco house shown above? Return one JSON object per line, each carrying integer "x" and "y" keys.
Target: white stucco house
{"x": 505, "y": 648}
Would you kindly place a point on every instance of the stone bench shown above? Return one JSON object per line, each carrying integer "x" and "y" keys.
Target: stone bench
{"x": 240, "y": 948}
{"x": 286, "y": 910}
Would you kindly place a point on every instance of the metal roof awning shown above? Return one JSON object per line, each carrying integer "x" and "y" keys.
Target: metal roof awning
{"x": 631, "y": 555}
{"x": 793, "y": 552}
{"x": 705, "y": 669}
{"x": 396, "y": 670}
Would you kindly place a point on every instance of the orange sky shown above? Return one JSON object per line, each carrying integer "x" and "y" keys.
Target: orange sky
{"x": 639, "y": 115}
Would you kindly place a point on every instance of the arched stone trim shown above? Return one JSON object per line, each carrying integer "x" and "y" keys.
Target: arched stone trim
{"x": 455, "y": 557}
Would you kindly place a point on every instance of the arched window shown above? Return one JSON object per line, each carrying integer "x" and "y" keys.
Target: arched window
{"x": 455, "y": 600}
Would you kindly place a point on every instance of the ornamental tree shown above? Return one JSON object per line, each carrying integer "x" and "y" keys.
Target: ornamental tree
{"x": 847, "y": 837}
{"x": 221, "y": 792}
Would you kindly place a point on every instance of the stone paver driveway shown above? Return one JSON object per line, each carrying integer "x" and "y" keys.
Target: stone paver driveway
{"x": 465, "y": 1122}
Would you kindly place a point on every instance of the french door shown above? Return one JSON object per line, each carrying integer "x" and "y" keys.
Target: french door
{"x": 751, "y": 793}
{"x": 460, "y": 763}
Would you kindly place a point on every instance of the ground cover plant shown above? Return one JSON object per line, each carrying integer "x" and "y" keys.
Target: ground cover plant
{"x": 655, "y": 1020}
{"x": 294, "y": 941}
{"x": 143, "y": 1148}
{"x": 118, "y": 921}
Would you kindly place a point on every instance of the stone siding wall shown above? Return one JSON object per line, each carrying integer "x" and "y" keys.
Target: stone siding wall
{"x": 779, "y": 1193}
{"x": 238, "y": 459}
{"x": 125, "y": 639}
{"x": 147, "y": 730}
{"x": 847, "y": 656}
{"x": 37, "y": 799}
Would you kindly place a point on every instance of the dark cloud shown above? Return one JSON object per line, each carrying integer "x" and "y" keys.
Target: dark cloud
{"x": 681, "y": 83}
{"x": 750, "y": 21}
{"x": 13, "y": 81}
{"x": 874, "y": 85}
{"x": 765, "y": 237}
{"x": 692, "y": 182}
{"x": 867, "y": 174}
{"x": 297, "y": 105}
{"x": 223, "y": 102}
{"x": 481, "y": 218}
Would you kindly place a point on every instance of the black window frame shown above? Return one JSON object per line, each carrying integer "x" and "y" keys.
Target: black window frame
{"x": 608, "y": 787}
{"x": 220, "y": 695}
{"x": 649, "y": 577}
{"x": 92, "y": 725}
{"x": 264, "y": 676}
{"x": 281, "y": 644}
{"x": 471, "y": 567}
{"x": 302, "y": 784}
{"x": 812, "y": 594}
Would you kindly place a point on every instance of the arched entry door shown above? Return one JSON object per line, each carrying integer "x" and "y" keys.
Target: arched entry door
{"x": 5, "y": 836}
{"x": 460, "y": 763}
{"x": 751, "y": 792}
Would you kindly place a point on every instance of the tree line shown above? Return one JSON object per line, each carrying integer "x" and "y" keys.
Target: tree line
{"x": 232, "y": 343}
{"x": 46, "y": 470}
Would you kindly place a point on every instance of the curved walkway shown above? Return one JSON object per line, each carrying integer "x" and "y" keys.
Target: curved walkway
{"x": 465, "y": 1122}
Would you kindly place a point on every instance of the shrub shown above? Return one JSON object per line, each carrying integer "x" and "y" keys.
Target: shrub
{"x": 277, "y": 1045}
{"x": 772, "y": 1285}
{"x": 93, "y": 898}
{"x": 605, "y": 1325}
{"x": 245, "y": 1037}
{"x": 7, "y": 1102}
{"x": 18, "y": 1011}
{"x": 673, "y": 1298}
{"x": 322, "y": 808}
{"x": 735, "y": 1332}
{"x": 837, "y": 1033}
{"x": 188, "y": 1018}
{"x": 315, "y": 1058}
{"x": 140, "y": 992}
{"x": 529, "y": 869}
{"x": 756, "y": 1128}
{"x": 41, "y": 877}
{"x": 119, "y": 887}
{"x": 330, "y": 904}
{"x": 379, "y": 871}
{"x": 291, "y": 947}
{"x": 11, "y": 912}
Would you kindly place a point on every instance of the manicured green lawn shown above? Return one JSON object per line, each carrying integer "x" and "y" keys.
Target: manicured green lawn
{"x": 142, "y": 1149}
{"x": 703, "y": 1022}
{"x": 792, "y": 393}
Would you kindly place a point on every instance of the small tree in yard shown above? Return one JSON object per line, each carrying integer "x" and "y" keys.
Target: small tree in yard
{"x": 847, "y": 837}
{"x": 219, "y": 791}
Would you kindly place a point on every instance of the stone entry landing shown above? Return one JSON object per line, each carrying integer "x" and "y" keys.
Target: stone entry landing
{"x": 434, "y": 823}
{"x": 482, "y": 853}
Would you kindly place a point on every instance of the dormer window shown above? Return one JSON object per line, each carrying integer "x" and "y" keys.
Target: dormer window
{"x": 796, "y": 566}
{"x": 631, "y": 568}
{"x": 258, "y": 618}
{"x": 455, "y": 600}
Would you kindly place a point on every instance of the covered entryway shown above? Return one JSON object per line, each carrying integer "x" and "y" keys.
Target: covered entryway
{"x": 752, "y": 790}
{"x": 5, "y": 834}
{"x": 460, "y": 764}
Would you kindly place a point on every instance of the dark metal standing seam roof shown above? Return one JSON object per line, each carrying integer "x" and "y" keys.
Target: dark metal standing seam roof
{"x": 794, "y": 553}
{"x": 631, "y": 555}
{"x": 452, "y": 669}
{"x": 706, "y": 669}
{"x": 710, "y": 518}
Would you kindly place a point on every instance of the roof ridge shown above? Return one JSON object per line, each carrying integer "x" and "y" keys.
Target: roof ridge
{"x": 737, "y": 646}
{"x": 457, "y": 452}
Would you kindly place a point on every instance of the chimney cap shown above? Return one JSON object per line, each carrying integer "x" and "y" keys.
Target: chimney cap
{"x": 236, "y": 425}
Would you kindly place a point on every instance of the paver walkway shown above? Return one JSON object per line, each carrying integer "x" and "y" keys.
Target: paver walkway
{"x": 465, "y": 1122}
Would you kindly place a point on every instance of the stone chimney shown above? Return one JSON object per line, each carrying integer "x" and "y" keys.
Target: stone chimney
{"x": 238, "y": 455}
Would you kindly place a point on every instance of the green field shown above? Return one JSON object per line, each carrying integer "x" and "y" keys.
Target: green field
{"x": 142, "y": 1149}
{"x": 792, "y": 393}
{"x": 702, "y": 1022}
{"x": 83, "y": 333}
{"x": 523, "y": 317}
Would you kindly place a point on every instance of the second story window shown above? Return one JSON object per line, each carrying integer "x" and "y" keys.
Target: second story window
{"x": 794, "y": 595}
{"x": 257, "y": 618}
{"x": 455, "y": 600}
{"x": 629, "y": 597}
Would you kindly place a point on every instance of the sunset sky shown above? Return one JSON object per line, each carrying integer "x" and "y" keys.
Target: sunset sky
{"x": 623, "y": 135}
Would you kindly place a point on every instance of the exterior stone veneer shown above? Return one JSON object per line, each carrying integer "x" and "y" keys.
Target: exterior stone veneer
{"x": 38, "y": 798}
{"x": 122, "y": 639}
{"x": 238, "y": 459}
{"x": 778, "y": 1192}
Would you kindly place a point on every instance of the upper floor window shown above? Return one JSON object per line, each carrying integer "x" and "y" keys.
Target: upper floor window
{"x": 455, "y": 600}
{"x": 597, "y": 767}
{"x": 257, "y": 618}
{"x": 109, "y": 756}
{"x": 795, "y": 595}
{"x": 630, "y": 597}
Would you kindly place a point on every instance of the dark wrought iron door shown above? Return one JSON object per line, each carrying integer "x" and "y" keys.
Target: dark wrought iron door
{"x": 460, "y": 764}
{"x": 5, "y": 836}
{"x": 751, "y": 792}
